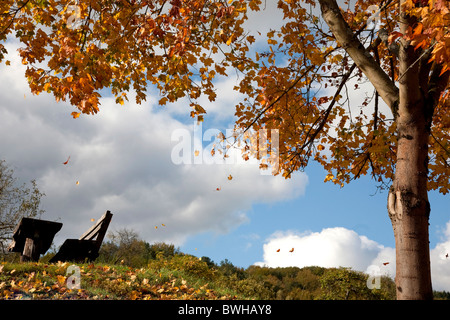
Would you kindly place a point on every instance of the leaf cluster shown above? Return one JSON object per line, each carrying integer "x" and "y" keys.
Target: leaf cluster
{"x": 75, "y": 51}
{"x": 306, "y": 83}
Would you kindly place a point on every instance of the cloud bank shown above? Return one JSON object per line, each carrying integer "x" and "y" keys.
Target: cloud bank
{"x": 341, "y": 247}
{"x": 120, "y": 160}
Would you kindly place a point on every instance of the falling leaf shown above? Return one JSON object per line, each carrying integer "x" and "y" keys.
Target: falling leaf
{"x": 156, "y": 227}
{"x": 8, "y": 63}
{"x": 278, "y": 250}
{"x": 92, "y": 219}
{"x": 75, "y": 114}
{"x": 78, "y": 182}
{"x": 292, "y": 250}
{"x": 196, "y": 153}
{"x": 230, "y": 177}
{"x": 163, "y": 224}
{"x": 67, "y": 161}
{"x": 218, "y": 189}
{"x": 385, "y": 263}
{"x": 446, "y": 255}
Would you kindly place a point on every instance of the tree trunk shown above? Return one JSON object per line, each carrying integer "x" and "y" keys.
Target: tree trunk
{"x": 408, "y": 205}
{"x": 409, "y": 211}
{"x": 412, "y": 106}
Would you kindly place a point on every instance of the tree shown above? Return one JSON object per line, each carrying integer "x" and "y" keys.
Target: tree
{"x": 125, "y": 246}
{"x": 345, "y": 284}
{"x": 407, "y": 145}
{"x": 298, "y": 85}
{"x": 16, "y": 202}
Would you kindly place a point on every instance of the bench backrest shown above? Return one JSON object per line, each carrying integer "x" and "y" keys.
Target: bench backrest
{"x": 99, "y": 229}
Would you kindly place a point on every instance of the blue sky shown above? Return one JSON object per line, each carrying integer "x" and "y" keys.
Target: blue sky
{"x": 122, "y": 159}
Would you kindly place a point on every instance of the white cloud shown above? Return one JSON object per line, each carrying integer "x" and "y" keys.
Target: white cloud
{"x": 122, "y": 160}
{"x": 341, "y": 247}
{"x": 440, "y": 262}
{"x": 332, "y": 247}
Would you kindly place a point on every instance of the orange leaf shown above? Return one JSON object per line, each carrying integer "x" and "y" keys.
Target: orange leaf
{"x": 230, "y": 177}
{"x": 67, "y": 161}
{"x": 418, "y": 29}
{"x": 75, "y": 114}
{"x": 278, "y": 250}
{"x": 292, "y": 250}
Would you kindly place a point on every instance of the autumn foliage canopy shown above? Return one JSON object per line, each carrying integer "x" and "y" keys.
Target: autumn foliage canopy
{"x": 298, "y": 82}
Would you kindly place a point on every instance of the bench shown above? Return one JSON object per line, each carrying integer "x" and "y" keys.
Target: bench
{"x": 33, "y": 237}
{"x": 86, "y": 247}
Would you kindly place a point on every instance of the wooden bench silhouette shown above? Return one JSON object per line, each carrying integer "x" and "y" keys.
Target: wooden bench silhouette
{"x": 33, "y": 237}
{"x": 86, "y": 247}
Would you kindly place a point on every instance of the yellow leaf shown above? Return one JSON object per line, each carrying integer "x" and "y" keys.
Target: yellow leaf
{"x": 119, "y": 100}
{"x": 230, "y": 40}
{"x": 78, "y": 182}
{"x": 320, "y": 147}
{"x": 8, "y": 63}
{"x": 196, "y": 153}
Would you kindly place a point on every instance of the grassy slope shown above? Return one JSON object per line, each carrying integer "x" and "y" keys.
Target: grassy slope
{"x": 183, "y": 277}
{"x": 99, "y": 281}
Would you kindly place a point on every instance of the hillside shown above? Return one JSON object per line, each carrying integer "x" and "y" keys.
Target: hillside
{"x": 184, "y": 277}
{"x": 166, "y": 273}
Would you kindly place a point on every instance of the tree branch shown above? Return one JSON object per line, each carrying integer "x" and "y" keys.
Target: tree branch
{"x": 346, "y": 38}
{"x": 310, "y": 137}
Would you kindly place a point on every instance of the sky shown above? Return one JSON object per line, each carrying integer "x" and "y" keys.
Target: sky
{"x": 125, "y": 159}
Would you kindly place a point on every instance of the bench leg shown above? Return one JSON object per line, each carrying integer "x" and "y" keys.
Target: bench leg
{"x": 30, "y": 251}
